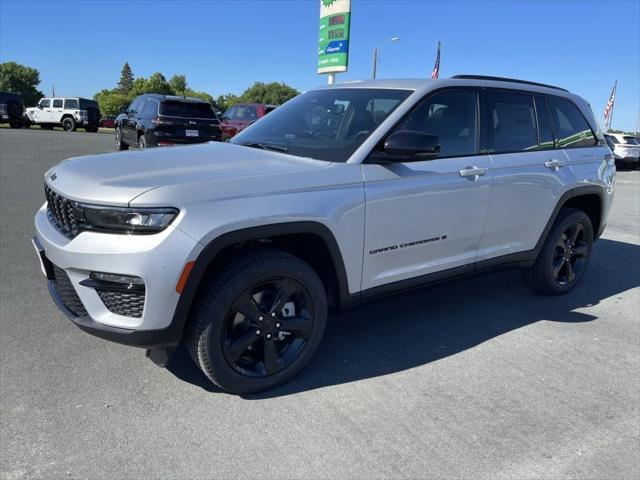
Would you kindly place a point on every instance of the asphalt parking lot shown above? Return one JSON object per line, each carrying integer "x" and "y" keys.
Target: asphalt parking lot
{"x": 481, "y": 378}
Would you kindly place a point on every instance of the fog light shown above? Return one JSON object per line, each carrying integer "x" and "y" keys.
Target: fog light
{"x": 126, "y": 280}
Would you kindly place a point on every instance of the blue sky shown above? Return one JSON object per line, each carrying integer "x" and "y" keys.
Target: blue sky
{"x": 223, "y": 46}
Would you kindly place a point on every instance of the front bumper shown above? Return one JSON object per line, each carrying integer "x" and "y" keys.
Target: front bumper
{"x": 158, "y": 259}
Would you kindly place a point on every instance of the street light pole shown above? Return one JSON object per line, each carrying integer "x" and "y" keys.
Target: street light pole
{"x": 375, "y": 55}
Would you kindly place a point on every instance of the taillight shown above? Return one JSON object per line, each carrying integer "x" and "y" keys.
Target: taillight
{"x": 162, "y": 121}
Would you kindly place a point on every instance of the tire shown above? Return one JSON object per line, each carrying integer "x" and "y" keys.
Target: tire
{"x": 91, "y": 129}
{"x": 15, "y": 124}
{"x": 142, "y": 142}
{"x": 68, "y": 124}
{"x": 565, "y": 255}
{"x": 26, "y": 124}
{"x": 247, "y": 354}
{"x": 120, "y": 145}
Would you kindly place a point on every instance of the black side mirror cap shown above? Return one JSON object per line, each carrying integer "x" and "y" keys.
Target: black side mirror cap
{"x": 411, "y": 146}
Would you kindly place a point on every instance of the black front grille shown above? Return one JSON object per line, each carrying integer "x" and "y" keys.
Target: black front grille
{"x": 67, "y": 293}
{"x": 129, "y": 304}
{"x": 61, "y": 212}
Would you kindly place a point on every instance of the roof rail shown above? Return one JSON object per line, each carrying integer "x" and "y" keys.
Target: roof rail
{"x": 503, "y": 79}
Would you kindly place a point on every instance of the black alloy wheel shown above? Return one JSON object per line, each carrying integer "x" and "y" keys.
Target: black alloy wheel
{"x": 565, "y": 254}
{"x": 258, "y": 321}
{"x": 267, "y": 327}
{"x": 570, "y": 256}
{"x": 68, "y": 124}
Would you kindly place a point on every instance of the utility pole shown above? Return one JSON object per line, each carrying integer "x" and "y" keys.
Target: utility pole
{"x": 375, "y": 55}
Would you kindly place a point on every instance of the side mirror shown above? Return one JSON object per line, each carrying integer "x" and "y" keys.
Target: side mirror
{"x": 411, "y": 146}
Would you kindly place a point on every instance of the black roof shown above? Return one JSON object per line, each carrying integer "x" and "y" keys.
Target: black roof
{"x": 504, "y": 79}
{"x": 160, "y": 97}
{"x": 10, "y": 95}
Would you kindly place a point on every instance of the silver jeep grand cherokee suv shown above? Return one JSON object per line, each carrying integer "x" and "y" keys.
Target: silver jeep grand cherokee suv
{"x": 345, "y": 193}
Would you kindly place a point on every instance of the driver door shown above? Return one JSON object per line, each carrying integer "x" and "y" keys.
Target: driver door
{"x": 428, "y": 216}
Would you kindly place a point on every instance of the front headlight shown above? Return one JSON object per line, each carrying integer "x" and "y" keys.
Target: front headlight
{"x": 124, "y": 220}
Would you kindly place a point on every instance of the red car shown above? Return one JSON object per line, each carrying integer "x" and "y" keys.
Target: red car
{"x": 240, "y": 116}
{"x": 108, "y": 122}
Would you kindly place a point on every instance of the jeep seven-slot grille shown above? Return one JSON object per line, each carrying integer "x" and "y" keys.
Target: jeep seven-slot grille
{"x": 67, "y": 293}
{"x": 61, "y": 212}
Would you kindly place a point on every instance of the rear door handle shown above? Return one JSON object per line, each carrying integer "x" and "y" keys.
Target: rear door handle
{"x": 554, "y": 164}
{"x": 473, "y": 173}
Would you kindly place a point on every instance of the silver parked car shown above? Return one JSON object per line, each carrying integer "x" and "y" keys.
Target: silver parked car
{"x": 343, "y": 194}
{"x": 625, "y": 148}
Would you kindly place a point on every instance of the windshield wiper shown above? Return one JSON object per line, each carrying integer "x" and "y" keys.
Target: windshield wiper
{"x": 267, "y": 146}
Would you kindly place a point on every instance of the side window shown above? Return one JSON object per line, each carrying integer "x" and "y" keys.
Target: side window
{"x": 71, "y": 104}
{"x": 45, "y": 103}
{"x": 246, "y": 112}
{"x": 572, "y": 129}
{"x": 135, "y": 106}
{"x": 511, "y": 122}
{"x": 57, "y": 103}
{"x": 544, "y": 125}
{"x": 452, "y": 116}
{"x": 150, "y": 109}
{"x": 228, "y": 115}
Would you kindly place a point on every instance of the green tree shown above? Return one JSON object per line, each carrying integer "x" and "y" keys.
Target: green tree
{"x": 224, "y": 102}
{"x": 20, "y": 79}
{"x": 126, "y": 79}
{"x": 178, "y": 84}
{"x": 271, "y": 93}
{"x": 110, "y": 101}
{"x": 157, "y": 83}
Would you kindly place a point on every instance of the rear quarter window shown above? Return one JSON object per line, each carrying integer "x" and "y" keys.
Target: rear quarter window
{"x": 572, "y": 129}
{"x": 71, "y": 104}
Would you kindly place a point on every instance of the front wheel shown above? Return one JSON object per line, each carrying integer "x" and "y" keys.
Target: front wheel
{"x": 565, "y": 254}
{"x": 142, "y": 142}
{"x": 120, "y": 145}
{"x": 259, "y": 322}
{"x": 68, "y": 124}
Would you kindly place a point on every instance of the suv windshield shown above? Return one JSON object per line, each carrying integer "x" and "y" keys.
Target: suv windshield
{"x": 328, "y": 124}
{"x": 172, "y": 108}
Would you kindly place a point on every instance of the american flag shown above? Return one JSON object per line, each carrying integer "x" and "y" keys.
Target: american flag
{"x": 436, "y": 67}
{"x": 608, "y": 110}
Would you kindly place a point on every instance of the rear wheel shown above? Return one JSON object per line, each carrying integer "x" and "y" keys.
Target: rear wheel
{"x": 68, "y": 124}
{"x": 142, "y": 142}
{"x": 120, "y": 145}
{"x": 565, "y": 254}
{"x": 15, "y": 124}
{"x": 259, "y": 322}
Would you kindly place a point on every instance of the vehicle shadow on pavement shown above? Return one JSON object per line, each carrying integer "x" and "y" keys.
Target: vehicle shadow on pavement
{"x": 412, "y": 329}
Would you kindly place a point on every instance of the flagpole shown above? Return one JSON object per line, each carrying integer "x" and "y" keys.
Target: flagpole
{"x": 614, "y": 93}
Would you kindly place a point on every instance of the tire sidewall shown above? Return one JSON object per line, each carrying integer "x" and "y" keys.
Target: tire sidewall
{"x": 68, "y": 125}
{"x": 210, "y": 342}
{"x": 572, "y": 217}
{"x": 142, "y": 142}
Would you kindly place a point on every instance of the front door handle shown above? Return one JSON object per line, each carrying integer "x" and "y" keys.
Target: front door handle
{"x": 554, "y": 164}
{"x": 473, "y": 173}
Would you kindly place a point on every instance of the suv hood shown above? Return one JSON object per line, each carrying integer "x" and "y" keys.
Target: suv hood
{"x": 117, "y": 178}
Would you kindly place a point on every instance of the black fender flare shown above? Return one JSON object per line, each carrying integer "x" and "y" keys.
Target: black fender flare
{"x": 572, "y": 193}
{"x": 215, "y": 246}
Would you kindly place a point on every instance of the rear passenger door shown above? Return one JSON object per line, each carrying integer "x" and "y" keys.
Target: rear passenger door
{"x": 529, "y": 172}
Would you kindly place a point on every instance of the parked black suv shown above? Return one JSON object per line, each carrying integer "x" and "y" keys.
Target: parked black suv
{"x": 154, "y": 120}
{"x": 11, "y": 109}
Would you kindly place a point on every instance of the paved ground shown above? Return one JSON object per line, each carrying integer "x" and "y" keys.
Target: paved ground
{"x": 478, "y": 379}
